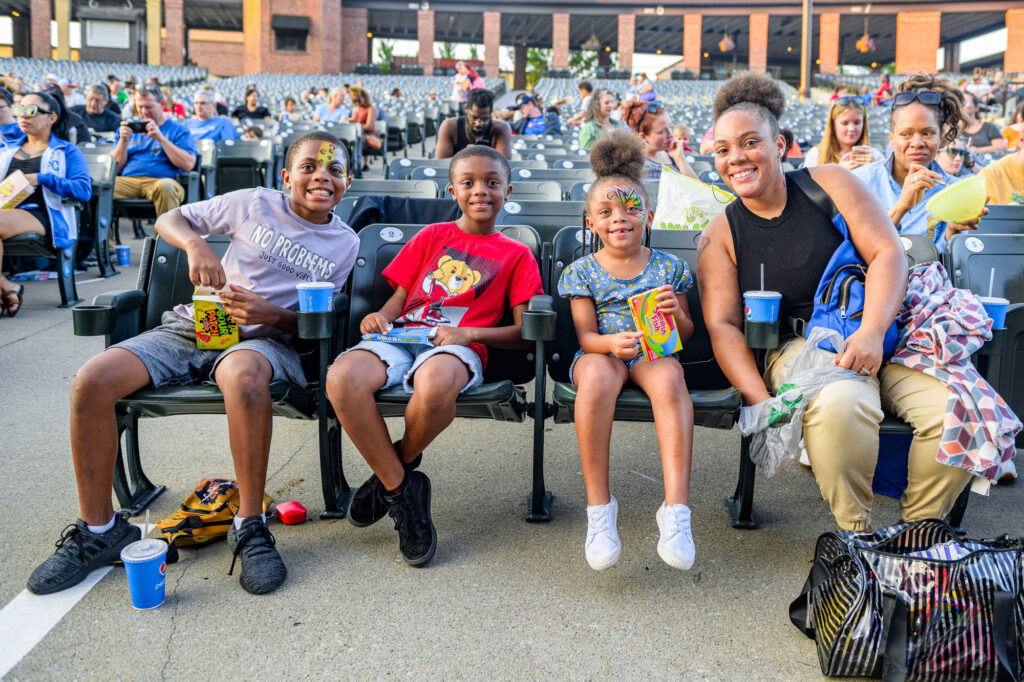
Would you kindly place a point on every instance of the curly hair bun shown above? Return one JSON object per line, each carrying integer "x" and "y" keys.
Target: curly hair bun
{"x": 750, "y": 88}
{"x": 621, "y": 154}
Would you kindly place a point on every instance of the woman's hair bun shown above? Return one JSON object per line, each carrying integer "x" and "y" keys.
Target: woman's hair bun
{"x": 620, "y": 154}
{"x": 750, "y": 88}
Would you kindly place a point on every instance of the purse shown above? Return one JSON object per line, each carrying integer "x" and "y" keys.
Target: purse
{"x": 374, "y": 142}
{"x": 914, "y": 602}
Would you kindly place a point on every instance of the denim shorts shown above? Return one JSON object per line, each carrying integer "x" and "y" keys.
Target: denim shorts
{"x": 403, "y": 359}
{"x": 171, "y": 357}
{"x": 628, "y": 363}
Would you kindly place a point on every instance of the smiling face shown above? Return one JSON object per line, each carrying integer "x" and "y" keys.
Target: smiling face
{"x": 480, "y": 186}
{"x": 617, "y": 215}
{"x": 915, "y": 135}
{"x": 747, "y": 155}
{"x": 317, "y": 178}
{"x": 848, "y": 127}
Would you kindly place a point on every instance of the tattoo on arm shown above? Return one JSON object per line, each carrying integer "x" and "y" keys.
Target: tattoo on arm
{"x": 702, "y": 244}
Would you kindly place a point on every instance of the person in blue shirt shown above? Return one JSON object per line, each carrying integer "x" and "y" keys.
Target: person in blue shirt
{"x": 206, "y": 125}
{"x": 927, "y": 112}
{"x": 533, "y": 122}
{"x": 8, "y": 126}
{"x": 149, "y": 162}
{"x": 334, "y": 108}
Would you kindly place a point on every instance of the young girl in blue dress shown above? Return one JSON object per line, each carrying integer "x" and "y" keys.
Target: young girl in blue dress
{"x": 618, "y": 214}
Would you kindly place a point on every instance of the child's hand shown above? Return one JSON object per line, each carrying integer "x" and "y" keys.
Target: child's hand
{"x": 447, "y": 336}
{"x": 247, "y": 307}
{"x": 204, "y": 267}
{"x": 374, "y": 323}
{"x": 667, "y": 301}
{"x": 624, "y": 344}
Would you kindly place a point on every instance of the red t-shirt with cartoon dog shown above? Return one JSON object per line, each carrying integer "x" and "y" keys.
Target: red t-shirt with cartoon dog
{"x": 456, "y": 279}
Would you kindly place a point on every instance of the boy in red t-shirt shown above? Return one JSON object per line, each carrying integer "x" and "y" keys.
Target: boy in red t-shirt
{"x": 458, "y": 279}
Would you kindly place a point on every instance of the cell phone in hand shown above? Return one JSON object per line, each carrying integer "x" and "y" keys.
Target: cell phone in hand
{"x": 138, "y": 125}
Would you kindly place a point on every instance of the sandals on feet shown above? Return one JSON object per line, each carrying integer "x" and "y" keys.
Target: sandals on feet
{"x": 12, "y": 298}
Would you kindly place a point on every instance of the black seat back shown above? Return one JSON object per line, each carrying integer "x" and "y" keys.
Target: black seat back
{"x": 1003, "y": 219}
{"x": 401, "y": 169}
{"x": 919, "y": 249}
{"x": 974, "y": 256}
{"x": 547, "y": 217}
{"x": 243, "y": 164}
{"x": 163, "y": 275}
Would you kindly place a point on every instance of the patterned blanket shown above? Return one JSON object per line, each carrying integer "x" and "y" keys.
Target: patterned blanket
{"x": 942, "y": 327}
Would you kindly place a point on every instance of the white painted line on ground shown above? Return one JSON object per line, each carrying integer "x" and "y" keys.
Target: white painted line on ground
{"x": 28, "y": 618}
{"x": 89, "y": 281}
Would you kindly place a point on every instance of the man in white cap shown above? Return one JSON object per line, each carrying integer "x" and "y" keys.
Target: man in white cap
{"x": 72, "y": 97}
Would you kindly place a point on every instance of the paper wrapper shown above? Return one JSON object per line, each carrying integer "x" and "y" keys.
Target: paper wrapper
{"x": 14, "y": 190}
{"x": 215, "y": 328}
{"x": 661, "y": 338}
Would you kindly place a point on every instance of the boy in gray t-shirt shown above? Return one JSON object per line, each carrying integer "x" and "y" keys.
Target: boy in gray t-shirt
{"x": 277, "y": 241}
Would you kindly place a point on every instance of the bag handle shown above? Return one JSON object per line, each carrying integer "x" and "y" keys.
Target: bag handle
{"x": 814, "y": 191}
{"x": 799, "y": 607}
{"x": 1004, "y": 634}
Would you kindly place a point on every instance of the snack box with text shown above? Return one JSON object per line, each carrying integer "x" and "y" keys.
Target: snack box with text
{"x": 660, "y": 338}
{"x": 215, "y": 328}
{"x": 14, "y": 189}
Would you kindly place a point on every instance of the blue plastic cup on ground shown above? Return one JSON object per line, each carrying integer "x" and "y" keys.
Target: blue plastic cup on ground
{"x": 761, "y": 306}
{"x": 123, "y": 255}
{"x": 145, "y": 563}
{"x": 996, "y": 307}
{"x": 315, "y": 297}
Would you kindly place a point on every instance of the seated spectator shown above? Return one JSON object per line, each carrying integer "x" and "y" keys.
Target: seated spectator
{"x": 682, "y": 134}
{"x": 475, "y": 81}
{"x": 1005, "y": 177}
{"x": 71, "y": 95}
{"x": 598, "y": 121}
{"x": 841, "y": 91}
{"x": 432, "y": 96}
{"x": 476, "y": 127}
{"x": 396, "y": 95}
{"x": 8, "y": 126}
{"x": 253, "y": 134}
{"x": 978, "y": 86}
{"x": 774, "y": 224}
{"x": 1013, "y": 132}
{"x": 845, "y": 140}
{"x": 252, "y": 107}
{"x": 260, "y": 296}
{"x": 644, "y": 88}
{"x": 884, "y": 93}
{"x": 956, "y": 159}
{"x": 793, "y": 150}
{"x": 206, "y": 125}
{"x": 55, "y": 168}
{"x": 289, "y": 110}
{"x": 149, "y": 163}
{"x": 651, "y": 122}
{"x": 460, "y": 85}
{"x": 78, "y": 132}
{"x": 983, "y": 136}
{"x": 585, "y": 89}
{"x": 926, "y": 111}
{"x": 707, "y": 143}
{"x": 95, "y": 112}
{"x": 117, "y": 95}
{"x": 221, "y": 108}
{"x": 365, "y": 114}
{"x": 334, "y": 108}
{"x": 304, "y": 96}
{"x": 172, "y": 106}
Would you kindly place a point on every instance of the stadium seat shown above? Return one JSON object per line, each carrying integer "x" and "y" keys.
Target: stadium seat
{"x": 424, "y": 189}
{"x": 542, "y": 190}
{"x": 243, "y": 164}
{"x": 547, "y": 217}
{"x": 579, "y": 190}
{"x": 1002, "y": 219}
{"x": 207, "y": 151}
{"x": 35, "y": 245}
{"x": 565, "y": 178}
{"x": 402, "y": 168}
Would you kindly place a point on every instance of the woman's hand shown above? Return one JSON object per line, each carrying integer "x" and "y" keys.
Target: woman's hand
{"x": 374, "y": 323}
{"x": 667, "y": 301}
{"x": 863, "y": 352}
{"x": 855, "y": 159}
{"x": 33, "y": 179}
{"x": 624, "y": 344}
{"x": 247, "y": 307}
{"x": 953, "y": 229}
{"x": 919, "y": 179}
{"x": 448, "y": 336}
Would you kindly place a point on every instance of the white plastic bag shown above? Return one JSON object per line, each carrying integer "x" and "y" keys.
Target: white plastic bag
{"x": 685, "y": 203}
{"x": 776, "y": 425}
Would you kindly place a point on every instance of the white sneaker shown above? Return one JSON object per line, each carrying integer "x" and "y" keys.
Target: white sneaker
{"x": 675, "y": 546}
{"x": 603, "y": 546}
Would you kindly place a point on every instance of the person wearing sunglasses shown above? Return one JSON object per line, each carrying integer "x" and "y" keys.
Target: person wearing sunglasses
{"x": 926, "y": 113}
{"x": 651, "y": 123}
{"x": 55, "y": 169}
{"x": 956, "y": 159}
{"x": 845, "y": 140}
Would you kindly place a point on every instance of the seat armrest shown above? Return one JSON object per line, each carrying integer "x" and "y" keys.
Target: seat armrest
{"x": 539, "y": 319}
{"x": 101, "y": 317}
{"x": 122, "y": 301}
{"x": 321, "y": 325}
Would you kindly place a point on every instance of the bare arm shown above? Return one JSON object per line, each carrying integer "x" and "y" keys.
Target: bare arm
{"x": 184, "y": 160}
{"x": 120, "y": 150}
{"x": 377, "y": 323}
{"x": 204, "y": 268}
{"x": 503, "y": 139}
{"x": 446, "y": 140}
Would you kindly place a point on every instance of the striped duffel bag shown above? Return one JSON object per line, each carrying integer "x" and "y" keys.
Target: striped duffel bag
{"x": 915, "y": 602}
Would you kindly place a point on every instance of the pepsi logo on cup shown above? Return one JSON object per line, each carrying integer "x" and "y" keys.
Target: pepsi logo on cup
{"x": 163, "y": 567}
{"x": 746, "y": 311}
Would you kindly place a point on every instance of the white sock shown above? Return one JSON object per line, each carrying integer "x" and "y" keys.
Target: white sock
{"x": 102, "y": 529}
{"x": 239, "y": 520}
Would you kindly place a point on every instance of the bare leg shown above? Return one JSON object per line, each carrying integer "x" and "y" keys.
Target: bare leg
{"x": 351, "y": 383}
{"x": 244, "y": 378}
{"x": 12, "y": 223}
{"x": 599, "y": 379}
{"x": 436, "y": 385}
{"x": 100, "y": 383}
{"x": 663, "y": 382}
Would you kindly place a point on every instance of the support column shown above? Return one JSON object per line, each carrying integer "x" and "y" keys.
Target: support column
{"x": 758, "y": 43}
{"x": 153, "y": 24}
{"x": 559, "y": 41}
{"x": 917, "y": 41}
{"x": 627, "y": 36}
{"x": 355, "y": 47}
{"x": 492, "y": 43}
{"x": 692, "y": 42}
{"x": 62, "y": 13}
{"x": 828, "y": 42}
{"x": 519, "y": 73}
{"x": 951, "y": 62}
{"x": 425, "y": 33}
{"x": 21, "y": 36}
{"x": 255, "y": 30}
{"x": 1013, "y": 58}
{"x": 174, "y": 35}
{"x": 40, "y": 30}
{"x": 326, "y": 35}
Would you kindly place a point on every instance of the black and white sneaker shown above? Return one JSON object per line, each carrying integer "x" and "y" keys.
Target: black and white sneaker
{"x": 368, "y": 505}
{"x": 79, "y": 552}
{"x": 263, "y": 570}
{"x": 410, "y": 509}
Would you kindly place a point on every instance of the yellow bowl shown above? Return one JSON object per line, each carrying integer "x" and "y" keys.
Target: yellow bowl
{"x": 961, "y": 201}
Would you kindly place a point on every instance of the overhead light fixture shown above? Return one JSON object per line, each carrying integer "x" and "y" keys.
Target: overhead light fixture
{"x": 657, "y": 51}
{"x": 659, "y": 10}
{"x": 706, "y": 55}
{"x": 789, "y": 48}
{"x": 607, "y": 49}
{"x": 369, "y": 34}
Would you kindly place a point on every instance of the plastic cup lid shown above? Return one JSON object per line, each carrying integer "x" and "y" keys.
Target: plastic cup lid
{"x": 762, "y": 294}
{"x": 143, "y": 550}
{"x": 314, "y": 285}
{"x": 998, "y": 300}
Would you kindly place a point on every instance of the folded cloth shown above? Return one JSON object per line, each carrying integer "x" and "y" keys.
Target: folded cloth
{"x": 942, "y": 327}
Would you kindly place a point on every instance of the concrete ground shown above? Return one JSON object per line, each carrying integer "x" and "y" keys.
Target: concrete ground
{"x": 502, "y": 599}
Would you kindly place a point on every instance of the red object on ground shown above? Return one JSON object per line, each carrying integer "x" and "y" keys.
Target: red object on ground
{"x": 291, "y": 513}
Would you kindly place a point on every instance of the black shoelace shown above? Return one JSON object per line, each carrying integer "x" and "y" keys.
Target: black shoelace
{"x": 405, "y": 514}
{"x": 72, "y": 534}
{"x": 246, "y": 534}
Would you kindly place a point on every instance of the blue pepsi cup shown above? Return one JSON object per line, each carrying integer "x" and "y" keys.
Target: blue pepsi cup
{"x": 145, "y": 563}
{"x": 996, "y": 309}
{"x": 123, "y": 255}
{"x": 761, "y": 306}
{"x": 315, "y": 297}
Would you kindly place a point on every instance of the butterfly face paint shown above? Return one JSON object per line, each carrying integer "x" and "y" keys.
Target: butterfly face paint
{"x": 627, "y": 196}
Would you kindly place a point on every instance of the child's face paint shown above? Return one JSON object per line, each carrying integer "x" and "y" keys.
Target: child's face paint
{"x": 327, "y": 154}
{"x": 627, "y": 196}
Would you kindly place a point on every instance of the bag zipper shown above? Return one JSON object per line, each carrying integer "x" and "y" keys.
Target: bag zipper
{"x": 827, "y": 294}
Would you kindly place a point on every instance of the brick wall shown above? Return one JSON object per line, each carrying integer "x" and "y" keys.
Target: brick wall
{"x": 1013, "y": 59}
{"x": 324, "y": 50}
{"x": 425, "y": 34}
{"x": 828, "y": 42}
{"x": 917, "y": 41}
{"x": 692, "y": 42}
{"x": 40, "y": 28}
{"x": 627, "y": 35}
{"x": 758, "y": 43}
{"x": 559, "y": 41}
{"x": 222, "y": 52}
{"x": 492, "y": 43}
{"x": 355, "y": 22}
{"x": 174, "y": 36}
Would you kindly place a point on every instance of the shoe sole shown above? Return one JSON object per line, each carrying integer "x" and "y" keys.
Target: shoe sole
{"x": 419, "y": 561}
{"x": 672, "y": 560}
{"x": 607, "y": 563}
{"x": 364, "y": 524}
{"x": 101, "y": 560}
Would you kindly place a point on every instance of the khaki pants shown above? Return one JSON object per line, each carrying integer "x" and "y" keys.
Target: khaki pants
{"x": 841, "y": 437}
{"x": 165, "y": 193}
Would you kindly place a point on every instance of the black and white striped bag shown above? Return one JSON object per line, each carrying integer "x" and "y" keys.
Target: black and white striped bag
{"x": 914, "y": 602}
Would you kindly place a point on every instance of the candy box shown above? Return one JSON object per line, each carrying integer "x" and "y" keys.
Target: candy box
{"x": 14, "y": 189}
{"x": 661, "y": 338}
{"x": 215, "y": 328}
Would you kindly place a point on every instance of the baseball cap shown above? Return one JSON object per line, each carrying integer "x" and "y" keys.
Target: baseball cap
{"x": 521, "y": 99}
{"x": 51, "y": 77}
{"x": 66, "y": 82}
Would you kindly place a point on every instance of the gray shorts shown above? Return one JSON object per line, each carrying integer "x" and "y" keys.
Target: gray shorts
{"x": 171, "y": 357}
{"x": 403, "y": 359}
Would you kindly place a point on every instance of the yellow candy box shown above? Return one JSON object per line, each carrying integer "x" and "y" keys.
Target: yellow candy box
{"x": 215, "y": 328}
{"x": 661, "y": 338}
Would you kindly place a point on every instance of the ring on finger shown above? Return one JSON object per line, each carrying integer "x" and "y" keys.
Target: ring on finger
{"x": 865, "y": 370}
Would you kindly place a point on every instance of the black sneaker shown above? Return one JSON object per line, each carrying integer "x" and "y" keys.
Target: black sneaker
{"x": 410, "y": 509}
{"x": 262, "y": 568}
{"x": 79, "y": 552}
{"x": 368, "y": 505}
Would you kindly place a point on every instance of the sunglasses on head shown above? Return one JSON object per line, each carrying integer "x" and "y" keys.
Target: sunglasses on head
{"x": 849, "y": 99}
{"x": 651, "y": 108}
{"x": 927, "y": 97}
{"x": 28, "y": 110}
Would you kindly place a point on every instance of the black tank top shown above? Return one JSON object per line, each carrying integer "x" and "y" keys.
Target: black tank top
{"x": 461, "y": 141}
{"x": 794, "y": 247}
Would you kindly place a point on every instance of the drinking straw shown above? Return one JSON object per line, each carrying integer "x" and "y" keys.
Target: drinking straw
{"x": 145, "y": 532}
{"x": 762, "y": 276}
{"x": 991, "y": 281}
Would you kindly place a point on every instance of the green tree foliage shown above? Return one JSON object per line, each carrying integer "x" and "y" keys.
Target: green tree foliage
{"x": 446, "y": 51}
{"x": 582, "y": 63}
{"x": 474, "y": 52}
{"x": 385, "y": 53}
{"x": 537, "y": 62}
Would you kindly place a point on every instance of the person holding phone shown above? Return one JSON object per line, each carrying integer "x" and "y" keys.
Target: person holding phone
{"x": 845, "y": 140}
